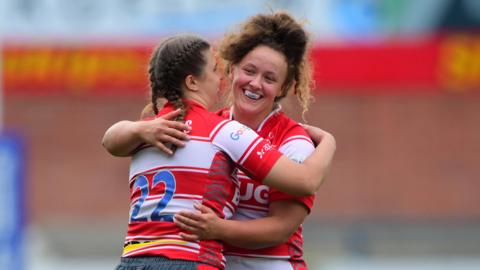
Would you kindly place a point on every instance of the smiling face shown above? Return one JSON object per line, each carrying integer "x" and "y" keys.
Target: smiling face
{"x": 257, "y": 79}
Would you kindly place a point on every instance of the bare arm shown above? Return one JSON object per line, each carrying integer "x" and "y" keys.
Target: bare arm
{"x": 283, "y": 220}
{"x": 124, "y": 137}
{"x": 304, "y": 179}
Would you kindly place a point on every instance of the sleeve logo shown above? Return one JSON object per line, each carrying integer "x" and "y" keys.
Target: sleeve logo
{"x": 236, "y": 135}
{"x": 266, "y": 147}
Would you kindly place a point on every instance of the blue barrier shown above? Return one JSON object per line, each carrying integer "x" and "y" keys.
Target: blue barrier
{"x": 12, "y": 211}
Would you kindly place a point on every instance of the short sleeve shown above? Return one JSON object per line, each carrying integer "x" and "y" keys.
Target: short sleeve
{"x": 254, "y": 155}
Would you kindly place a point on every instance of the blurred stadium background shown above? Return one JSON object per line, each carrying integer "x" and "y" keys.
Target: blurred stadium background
{"x": 397, "y": 83}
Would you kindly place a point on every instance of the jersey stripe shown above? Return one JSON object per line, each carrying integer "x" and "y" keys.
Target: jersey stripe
{"x": 298, "y": 137}
{"x": 152, "y": 158}
{"x": 200, "y": 172}
{"x": 249, "y": 150}
{"x": 217, "y": 128}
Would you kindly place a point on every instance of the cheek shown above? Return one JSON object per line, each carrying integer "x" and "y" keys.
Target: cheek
{"x": 236, "y": 86}
{"x": 272, "y": 91}
{"x": 240, "y": 79}
{"x": 215, "y": 78}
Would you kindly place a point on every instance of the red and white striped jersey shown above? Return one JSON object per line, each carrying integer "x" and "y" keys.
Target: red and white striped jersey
{"x": 201, "y": 172}
{"x": 292, "y": 140}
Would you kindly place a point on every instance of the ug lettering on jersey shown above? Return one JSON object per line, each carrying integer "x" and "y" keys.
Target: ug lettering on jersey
{"x": 236, "y": 135}
{"x": 251, "y": 191}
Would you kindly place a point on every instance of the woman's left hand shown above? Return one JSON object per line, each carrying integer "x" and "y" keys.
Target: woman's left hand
{"x": 317, "y": 134}
{"x": 202, "y": 225}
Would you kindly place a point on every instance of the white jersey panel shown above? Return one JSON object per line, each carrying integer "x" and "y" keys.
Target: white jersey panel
{"x": 297, "y": 149}
{"x": 234, "y": 138}
{"x": 249, "y": 214}
{"x": 152, "y": 158}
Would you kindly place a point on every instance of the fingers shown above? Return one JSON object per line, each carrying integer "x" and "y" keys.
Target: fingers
{"x": 189, "y": 237}
{"x": 186, "y": 223}
{"x": 165, "y": 138}
{"x": 164, "y": 148}
{"x": 315, "y": 133}
{"x": 189, "y": 215}
{"x": 169, "y": 139}
{"x": 185, "y": 226}
{"x": 171, "y": 115}
{"x": 177, "y": 134}
{"x": 305, "y": 126}
{"x": 179, "y": 126}
{"x": 203, "y": 209}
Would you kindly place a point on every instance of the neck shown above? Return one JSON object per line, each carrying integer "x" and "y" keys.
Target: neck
{"x": 250, "y": 121}
{"x": 199, "y": 99}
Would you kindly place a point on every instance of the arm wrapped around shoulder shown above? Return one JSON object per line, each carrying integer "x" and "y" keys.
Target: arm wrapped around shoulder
{"x": 304, "y": 179}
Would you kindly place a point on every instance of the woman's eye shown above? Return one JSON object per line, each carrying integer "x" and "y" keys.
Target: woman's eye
{"x": 249, "y": 71}
{"x": 270, "y": 79}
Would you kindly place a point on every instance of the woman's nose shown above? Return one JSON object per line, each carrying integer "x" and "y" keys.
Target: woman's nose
{"x": 255, "y": 82}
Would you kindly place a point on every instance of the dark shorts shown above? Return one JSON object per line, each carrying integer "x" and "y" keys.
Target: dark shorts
{"x": 160, "y": 263}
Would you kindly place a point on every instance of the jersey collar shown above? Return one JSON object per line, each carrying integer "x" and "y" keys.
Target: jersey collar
{"x": 189, "y": 103}
{"x": 275, "y": 110}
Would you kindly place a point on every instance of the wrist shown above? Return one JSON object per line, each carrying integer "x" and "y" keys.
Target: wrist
{"x": 136, "y": 128}
{"x": 220, "y": 231}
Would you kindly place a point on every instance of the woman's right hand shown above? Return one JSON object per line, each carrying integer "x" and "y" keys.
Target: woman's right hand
{"x": 201, "y": 225}
{"x": 163, "y": 130}
{"x": 125, "y": 137}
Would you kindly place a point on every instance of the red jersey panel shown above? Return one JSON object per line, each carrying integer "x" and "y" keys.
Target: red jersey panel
{"x": 202, "y": 172}
{"x": 292, "y": 140}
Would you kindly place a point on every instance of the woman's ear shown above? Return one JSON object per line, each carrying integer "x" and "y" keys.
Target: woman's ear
{"x": 286, "y": 89}
{"x": 191, "y": 83}
{"x": 231, "y": 69}
{"x": 294, "y": 87}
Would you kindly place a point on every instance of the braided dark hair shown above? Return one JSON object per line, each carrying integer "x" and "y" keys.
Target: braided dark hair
{"x": 172, "y": 61}
{"x": 282, "y": 33}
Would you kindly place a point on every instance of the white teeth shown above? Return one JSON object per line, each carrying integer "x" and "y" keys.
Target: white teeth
{"x": 252, "y": 95}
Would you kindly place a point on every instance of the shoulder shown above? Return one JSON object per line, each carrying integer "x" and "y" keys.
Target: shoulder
{"x": 206, "y": 116}
{"x": 202, "y": 121}
{"x": 223, "y": 113}
{"x": 291, "y": 129}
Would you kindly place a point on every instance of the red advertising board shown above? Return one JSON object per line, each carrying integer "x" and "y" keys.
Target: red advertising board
{"x": 76, "y": 70}
{"x": 389, "y": 67}
{"x": 450, "y": 63}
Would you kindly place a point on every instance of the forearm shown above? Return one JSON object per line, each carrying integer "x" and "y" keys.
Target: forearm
{"x": 121, "y": 139}
{"x": 321, "y": 159}
{"x": 253, "y": 234}
{"x": 285, "y": 216}
{"x": 303, "y": 179}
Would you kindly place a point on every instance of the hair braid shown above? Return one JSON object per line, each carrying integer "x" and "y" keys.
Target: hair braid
{"x": 172, "y": 61}
{"x": 173, "y": 92}
{"x": 153, "y": 82}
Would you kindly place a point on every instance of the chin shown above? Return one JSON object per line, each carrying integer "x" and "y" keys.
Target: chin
{"x": 249, "y": 109}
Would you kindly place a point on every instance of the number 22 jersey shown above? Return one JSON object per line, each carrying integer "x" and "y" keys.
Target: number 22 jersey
{"x": 202, "y": 172}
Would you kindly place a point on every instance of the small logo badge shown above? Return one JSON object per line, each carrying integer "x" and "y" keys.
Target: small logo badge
{"x": 236, "y": 135}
